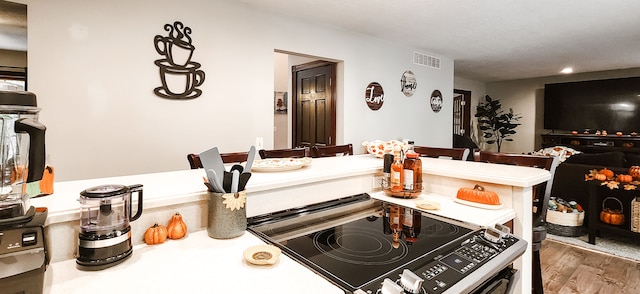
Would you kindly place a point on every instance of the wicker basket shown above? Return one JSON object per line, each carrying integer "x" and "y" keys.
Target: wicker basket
{"x": 635, "y": 215}
{"x": 565, "y": 224}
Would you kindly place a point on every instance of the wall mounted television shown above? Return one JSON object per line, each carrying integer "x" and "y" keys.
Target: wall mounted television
{"x": 612, "y": 105}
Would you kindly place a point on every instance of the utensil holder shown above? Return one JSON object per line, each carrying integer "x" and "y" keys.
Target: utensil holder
{"x": 227, "y": 215}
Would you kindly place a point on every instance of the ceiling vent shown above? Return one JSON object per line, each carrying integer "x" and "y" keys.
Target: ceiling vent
{"x": 426, "y": 60}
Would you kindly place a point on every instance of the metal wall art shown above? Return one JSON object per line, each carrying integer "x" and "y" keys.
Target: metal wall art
{"x": 436, "y": 101}
{"x": 374, "y": 96}
{"x": 179, "y": 75}
{"x": 408, "y": 83}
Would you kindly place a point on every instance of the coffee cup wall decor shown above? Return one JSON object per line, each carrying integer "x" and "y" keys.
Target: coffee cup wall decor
{"x": 180, "y": 77}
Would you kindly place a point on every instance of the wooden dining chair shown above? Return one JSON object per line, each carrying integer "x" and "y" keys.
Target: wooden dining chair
{"x": 453, "y": 153}
{"x": 541, "y": 194}
{"x": 282, "y": 153}
{"x": 329, "y": 151}
{"x": 195, "y": 163}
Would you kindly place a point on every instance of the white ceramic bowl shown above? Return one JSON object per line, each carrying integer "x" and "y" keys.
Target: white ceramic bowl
{"x": 379, "y": 148}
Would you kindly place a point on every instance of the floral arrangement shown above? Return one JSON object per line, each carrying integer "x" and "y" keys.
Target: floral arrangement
{"x": 612, "y": 181}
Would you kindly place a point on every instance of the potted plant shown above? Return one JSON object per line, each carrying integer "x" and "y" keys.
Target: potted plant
{"x": 496, "y": 124}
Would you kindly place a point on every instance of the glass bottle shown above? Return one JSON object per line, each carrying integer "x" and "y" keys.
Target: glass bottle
{"x": 395, "y": 224}
{"x": 411, "y": 225}
{"x": 397, "y": 170}
{"x": 412, "y": 172}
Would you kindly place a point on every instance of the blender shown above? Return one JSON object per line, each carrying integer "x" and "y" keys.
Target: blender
{"x": 105, "y": 233}
{"x": 22, "y": 151}
{"x": 23, "y": 244}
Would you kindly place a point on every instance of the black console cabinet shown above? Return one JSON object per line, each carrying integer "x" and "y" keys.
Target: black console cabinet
{"x": 593, "y": 143}
{"x": 597, "y": 194}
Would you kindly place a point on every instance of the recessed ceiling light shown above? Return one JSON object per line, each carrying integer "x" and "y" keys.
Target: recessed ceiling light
{"x": 567, "y": 70}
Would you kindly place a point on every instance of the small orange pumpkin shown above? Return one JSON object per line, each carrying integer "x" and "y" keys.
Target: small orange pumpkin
{"x": 479, "y": 195}
{"x": 625, "y": 178}
{"x": 634, "y": 171}
{"x": 176, "y": 228}
{"x": 607, "y": 172}
{"x": 155, "y": 234}
{"x": 600, "y": 177}
{"x": 46, "y": 183}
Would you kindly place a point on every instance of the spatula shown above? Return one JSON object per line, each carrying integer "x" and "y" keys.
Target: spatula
{"x": 234, "y": 181}
{"x": 211, "y": 159}
{"x": 250, "y": 158}
{"x": 214, "y": 181}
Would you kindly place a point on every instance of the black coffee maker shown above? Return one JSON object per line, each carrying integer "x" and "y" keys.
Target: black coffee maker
{"x": 23, "y": 244}
{"x": 105, "y": 233}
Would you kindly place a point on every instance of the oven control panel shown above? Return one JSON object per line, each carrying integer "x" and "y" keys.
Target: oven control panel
{"x": 454, "y": 266}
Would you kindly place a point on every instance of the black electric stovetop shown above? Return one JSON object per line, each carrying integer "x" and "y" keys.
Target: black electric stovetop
{"x": 355, "y": 248}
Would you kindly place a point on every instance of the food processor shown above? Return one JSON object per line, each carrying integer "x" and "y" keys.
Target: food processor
{"x": 23, "y": 243}
{"x": 105, "y": 234}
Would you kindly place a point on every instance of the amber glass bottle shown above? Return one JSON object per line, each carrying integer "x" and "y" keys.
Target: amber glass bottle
{"x": 397, "y": 170}
{"x": 413, "y": 172}
{"x": 395, "y": 223}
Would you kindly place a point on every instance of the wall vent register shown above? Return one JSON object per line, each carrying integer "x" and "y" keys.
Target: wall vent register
{"x": 426, "y": 60}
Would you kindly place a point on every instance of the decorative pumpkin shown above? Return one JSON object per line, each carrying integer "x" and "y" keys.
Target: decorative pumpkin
{"x": 611, "y": 216}
{"x": 634, "y": 171}
{"x": 46, "y": 183}
{"x": 607, "y": 172}
{"x": 625, "y": 178}
{"x": 176, "y": 228}
{"x": 600, "y": 177}
{"x": 155, "y": 234}
{"x": 479, "y": 195}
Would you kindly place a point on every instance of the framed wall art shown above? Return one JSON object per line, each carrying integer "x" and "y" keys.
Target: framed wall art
{"x": 374, "y": 96}
{"x": 279, "y": 102}
{"x": 408, "y": 83}
{"x": 436, "y": 101}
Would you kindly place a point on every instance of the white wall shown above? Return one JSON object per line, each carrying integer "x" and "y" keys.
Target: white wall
{"x": 281, "y": 84}
{"x": 526, "y": 96}
{"x": 91, "y": 65}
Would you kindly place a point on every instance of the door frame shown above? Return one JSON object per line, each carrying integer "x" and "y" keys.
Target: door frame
{"x": 294, "y": 98}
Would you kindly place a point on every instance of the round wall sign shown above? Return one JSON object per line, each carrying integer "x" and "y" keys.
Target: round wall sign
{"x": 374, "y": 96}
{"x": 408, "y": 83}
{"x": 436, "y": 101}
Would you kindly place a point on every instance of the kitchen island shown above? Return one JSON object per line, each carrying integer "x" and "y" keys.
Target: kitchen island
{"x": 325, "y": 179}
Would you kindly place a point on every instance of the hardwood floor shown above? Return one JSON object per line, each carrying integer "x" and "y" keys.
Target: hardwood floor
{"x": 570, "y": 269}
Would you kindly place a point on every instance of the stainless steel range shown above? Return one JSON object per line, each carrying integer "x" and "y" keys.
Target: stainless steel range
{"x": 364, "y": 245}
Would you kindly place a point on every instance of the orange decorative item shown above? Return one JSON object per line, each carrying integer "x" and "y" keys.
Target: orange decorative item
{"x": 634, "y": 171}
{"x": 607, "y": 172}
{"x": 156, "y": 234}
{"x": 600, "y": 177}
{"x": 46, "y": 184}
{"x": 479, "y": 195}
{"x": 176, "y": 228}
{"x": 611, "y": 216}
{"x": 625, "y": 178}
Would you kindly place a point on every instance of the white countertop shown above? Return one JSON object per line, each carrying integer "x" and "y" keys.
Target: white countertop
{"x": 168, "y": 188}
{"x": 204, "y": 265}
{"x": 194, "y": 264}
{"x": 453, "y": 210}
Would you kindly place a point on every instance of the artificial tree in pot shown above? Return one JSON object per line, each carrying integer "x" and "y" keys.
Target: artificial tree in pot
{"x": 496, "y": 124}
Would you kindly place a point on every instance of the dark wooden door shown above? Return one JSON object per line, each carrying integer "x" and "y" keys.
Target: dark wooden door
{"x": 461, "y": 112}
{"x": 314, "y": 114}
